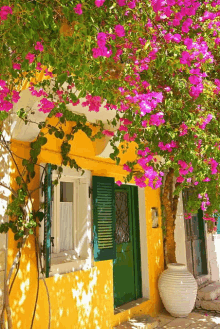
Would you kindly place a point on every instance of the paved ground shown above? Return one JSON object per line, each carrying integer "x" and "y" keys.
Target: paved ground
{"x": 196, "y": 320}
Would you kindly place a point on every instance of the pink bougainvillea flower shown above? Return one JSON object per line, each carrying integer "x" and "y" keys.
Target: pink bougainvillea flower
{"x": 2, "y": 83}
{"x": 48, "y": 73}
{"x": 6, "y": 106}
{"x": 4, "y": 12}
{"x": 145, "y": 108}
{"x": 96, "y": 52}
{"x": 129, "y": 138}
{"x": 140, "y": 181}
{"x": 101, "y": 39}
{"x": 207, "y": 179}
{"x": 39, "y": 66}
{"x": 121, "y": 3}
{"x": 132, "y": 4}
{"x": 45, "y": 105}
{"x": 188, "y": 216}
{"x": 30, "y": 57}
{"x": 127, "y": 168}
{"x": 123, "y": 128}
{"x": 39, "y": 46}
{"x": 94, "y": 103}
{"x": 189, "y": 43}
{"x": 58, "y": 115}
{"x": 75, "y": 103}
{"x": 37, "y": 93}
{"x": 157, "y": 119}
{"x": 206, "y": 121}
{"x": 108, "y": 133}
{"x": 168, "y": 37}
{"x": 78, "y": 9}
{"x": 195, "y": 91}
{"x": 119, "y": 30}
{"x": 118, "y": 182}
{"x": 214, "y": 165}
{"x": 15, "y": 96}
{"x": 183, "y": 129}
{"x": 194, "y": 80}
{"x": 180, "y": 179}
{"x": 177, "y": 38}
{"x": 99, "y": 3}
{"x": 167, "y": 147}
{"x": 125, "y": 121}
{"x": 16, "y": 66}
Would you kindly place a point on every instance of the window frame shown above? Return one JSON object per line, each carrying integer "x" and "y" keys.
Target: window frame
{"x": 72, "y": 260}
{"x": 55, "y": 219}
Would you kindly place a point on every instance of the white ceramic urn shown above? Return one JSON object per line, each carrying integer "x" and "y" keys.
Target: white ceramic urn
{"x": 178, "y": 289}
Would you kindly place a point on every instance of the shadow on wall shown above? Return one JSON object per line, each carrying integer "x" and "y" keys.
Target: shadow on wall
{"x": 81, "y": 299}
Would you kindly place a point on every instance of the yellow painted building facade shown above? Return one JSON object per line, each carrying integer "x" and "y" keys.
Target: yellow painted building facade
{"x": 83, "y": 299}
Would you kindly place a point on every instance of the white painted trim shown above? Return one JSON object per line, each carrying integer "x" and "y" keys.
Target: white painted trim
{"x": 67, "y": 267}
{"x": 143, "y": 244}
{"x": 81, "y": 257}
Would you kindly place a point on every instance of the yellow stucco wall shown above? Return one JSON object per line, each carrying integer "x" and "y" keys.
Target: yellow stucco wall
{"x": 82, "y": 299}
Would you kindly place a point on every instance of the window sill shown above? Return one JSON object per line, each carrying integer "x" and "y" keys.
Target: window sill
{"x": 68, "y": 266}
{"x": 65, "y": 257}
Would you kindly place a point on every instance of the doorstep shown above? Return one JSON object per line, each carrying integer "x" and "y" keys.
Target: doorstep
{"x": 129, "y": 305}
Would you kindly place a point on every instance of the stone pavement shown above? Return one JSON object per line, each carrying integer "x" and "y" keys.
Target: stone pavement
{"x": 195, "y": 320}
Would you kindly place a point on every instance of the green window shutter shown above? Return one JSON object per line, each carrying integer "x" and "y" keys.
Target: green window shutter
{"x": 104, "y": 218}
{"x": 218, "y": 225}
{"x": 47, "y": 218}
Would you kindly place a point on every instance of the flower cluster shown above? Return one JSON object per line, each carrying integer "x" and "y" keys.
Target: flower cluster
{"x": 4, "y": 12}
{"x": 184, "y": 169}
{"x": 45, "y": 105}
{"x": 159, "y": 74}
{"x": 7, "y": 98}
{"x": 167, "y": 147}
{"x": 93, "y": 102}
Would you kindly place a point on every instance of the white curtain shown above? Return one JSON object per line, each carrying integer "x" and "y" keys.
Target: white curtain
{"x": 66, "y": 226}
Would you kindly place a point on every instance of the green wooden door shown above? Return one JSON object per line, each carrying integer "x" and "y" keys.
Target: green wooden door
{"x": 126, "y": 266}
{"x": 195, "y": 243}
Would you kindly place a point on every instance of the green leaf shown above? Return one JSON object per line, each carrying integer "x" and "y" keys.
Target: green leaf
{"x": 18, "y": 235}
{"x": 62, "y": 78}
{"x": 40, "y": 215}
{"x": 18, "y": 180}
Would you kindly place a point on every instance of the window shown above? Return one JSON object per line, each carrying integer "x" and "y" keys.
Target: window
{"x": 70, "y": 223}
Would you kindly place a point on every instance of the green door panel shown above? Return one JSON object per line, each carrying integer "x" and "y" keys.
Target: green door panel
{"x": 124, "y": 288}
{"x": 127, "y": 286}
{"x": 195, "y": 241}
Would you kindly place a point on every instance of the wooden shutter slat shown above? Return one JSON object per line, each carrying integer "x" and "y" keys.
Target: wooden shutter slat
{"x": 104, "y": 218}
